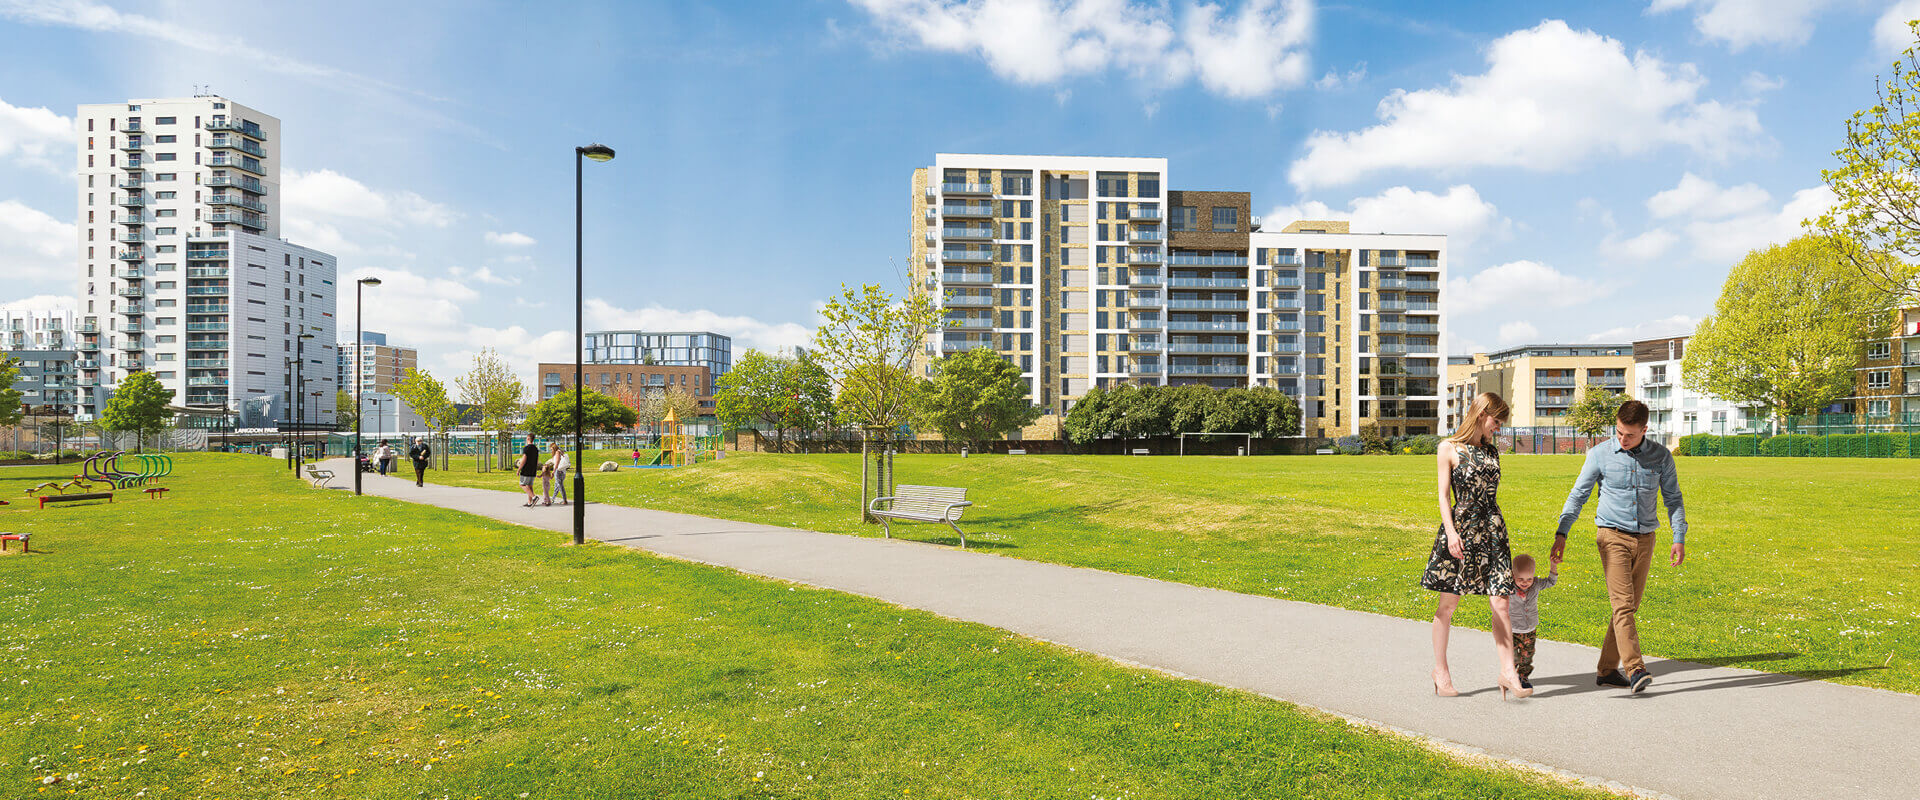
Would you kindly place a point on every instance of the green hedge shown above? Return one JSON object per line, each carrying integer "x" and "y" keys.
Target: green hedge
{"x": 1797, "y": 445}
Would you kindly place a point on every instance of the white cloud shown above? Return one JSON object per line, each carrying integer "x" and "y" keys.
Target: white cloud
{"x": 1252, "y": 53}
{"x": 1517, "y": 286}
{"x": 327, "y": 193}
{"x": 1334, "y": 80}
{"x": 1645, "y": 247}
{"x": 1741, "y": 23}
{"x": 1698, "y": 197}
{"x": 1890, "y": 33}
{"x": 1676, "y": 325}
{"x": 35, "y": 136}
{"x": 485, "y": 275}
{"x": 1517, "y": 332}
{"x": 41, "y": 302}
{"x": 509, "y": 239}
{"x": 747, "y": 332}
{"x": 1460, "y": 213}
{"x": 34, "y": 246}
{"x": 1458, "y": 345}
{"x": 1551, "y": 98}
{"x": 1724, "y": 222}
{"x": 1760, "y": 83}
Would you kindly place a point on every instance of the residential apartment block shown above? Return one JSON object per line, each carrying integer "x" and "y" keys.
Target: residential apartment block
{"x": 182, "y": 273}
{"x": 631, "y": 380}
{"x": 47, "y": 380}
{"x": 1540, "y": 381}
{"x": 1673, "y": 409}
{"x": 380, "y": 366}
{"x": 1888, "y": 383}
{"x": 37, "y": 329}
{"x": 1090, "y": 271}
{"x": 706, "y": 349}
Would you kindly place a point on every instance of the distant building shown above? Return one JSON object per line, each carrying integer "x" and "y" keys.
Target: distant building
{"x": 47, "y": 380}
{"x": 1540, "y": 381}
{"x": 1887, "y": 387}
{"x": 1675, "y": 410}
{"x": 380, "y": 366}
{"x": 706, "y": 349}
{"x": 39, "y": 329}
{"x": 637, "y": 380}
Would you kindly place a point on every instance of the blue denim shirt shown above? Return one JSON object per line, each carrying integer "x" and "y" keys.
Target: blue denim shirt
{"x": 1631, "y": 482}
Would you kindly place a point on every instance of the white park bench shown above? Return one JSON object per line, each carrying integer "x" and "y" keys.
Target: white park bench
{"x": 922, "y": 504}
{"x": 1016, "y": 452}
{"x": 319, "y": 477}
{"x": 1141, "y": 451}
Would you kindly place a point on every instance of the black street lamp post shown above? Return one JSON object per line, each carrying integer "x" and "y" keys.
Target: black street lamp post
{"x": 359, "y": 368}
{"x": 597, "y": 152}
{"x": 300, "y": 401}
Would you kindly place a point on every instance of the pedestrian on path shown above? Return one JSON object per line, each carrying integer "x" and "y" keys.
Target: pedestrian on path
{"x": 421, "y": 455}
{"x": 557, "y": 460}
{"x": 1633, "y": 474}
{"x": 1523, "y": 610}
{"x": 384, "y": 455}
{"x": 1470, "y": 553}
{"x": 528, "y": 467}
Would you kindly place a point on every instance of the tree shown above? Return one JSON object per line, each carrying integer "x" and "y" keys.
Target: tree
{"x": 492, "y": 387}
{"x": 10, "y": 409}
{"x": 1089, "y": 418}
{"x": 754, "y": 392}
{"x": 1877, "y": 210}
{"x": 1786, "y": 331}
{"x": 599, "y": 413}
{"x": 975, "y": 396}
{"x": 680, "y": 402}
{"x": 139, "y": 405}
{"x": 1594, "y": 413}
{"x": 812, "y": 409}
{"x": 866, "y": 345}
{"x": 427, "y": 396}
{"x": 345, "y": 416}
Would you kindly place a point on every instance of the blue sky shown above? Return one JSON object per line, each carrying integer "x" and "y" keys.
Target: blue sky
{"x": 1598, "y": 170}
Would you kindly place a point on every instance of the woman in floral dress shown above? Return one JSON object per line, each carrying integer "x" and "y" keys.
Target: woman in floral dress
{"x": 1470, "y": 553}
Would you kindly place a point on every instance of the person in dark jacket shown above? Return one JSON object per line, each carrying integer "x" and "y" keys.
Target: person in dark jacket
{"x": 420, "y": 454}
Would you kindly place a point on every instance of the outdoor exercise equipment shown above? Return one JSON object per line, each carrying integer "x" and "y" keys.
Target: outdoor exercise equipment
{"x": 105, "y": 467}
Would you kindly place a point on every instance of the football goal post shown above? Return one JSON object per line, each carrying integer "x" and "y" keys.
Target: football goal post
{"x": 1245, "y": 438}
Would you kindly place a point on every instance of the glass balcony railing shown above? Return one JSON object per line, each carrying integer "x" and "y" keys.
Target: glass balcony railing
{"x": 206, "y": 291}
{"x": 133, "y": 201}
{"x": 1288, "y": 301}
{"x": 1185, "y": 259}
{"x": 966, "y": 277}
{"x": 966, "y": 255}
{"x": 206, "y": 344}
{"x": 1193, "y": 325}
{"x": 208, "y": 255}
{"x": 206, "y": 272}
{"x": 132, "y": 291}
{"x": 133, "y": 308}
{"x": 970, "y": 300}
{"x": 1189, "y": 347}
{"x": 1144, "y": 298}
{"x": 237, "y": 199}
{"x": 248, "y": 183}
{"x": 1209, "y": 283}
{"x": 1553, "y": 380}
{"x": 238, "y": 143}
{"x": 242, "y": 218}
{"x": 129, "y": 183}
{"x": 206, "y": 381}
{"x": 1212, "y": 305}
{"x": 209, "y": 327}
{"x": 969, "y": 321}
{"x": 967, "y": 209}
{"x": 1145, "y": 235}
{"x": 1143, "y": 368}
{"x": 134, "y": 236}
{"x": 1145, "y": 324}
{"x": 1144, "y": 279}
{"x": 237, "y": 126}
{"x": 967, "y": 188}
{"x": 969, "y": 232}
{"x": 953, "y": 345}
{"x": 1144, "y": 215}
{"x": 207, "y": 363}
{"x": 131, "y": 126}
{"x": 247, "y": 163}
{"x": 1416, "y": 262}
{"x": 1146, "y": 258}
{"x": 1208, "y": 369}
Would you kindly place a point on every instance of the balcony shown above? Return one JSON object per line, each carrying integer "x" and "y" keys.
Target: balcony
{"x": 237, "y": 126}
{"x": 134, "y": 273}
{"x": 1656, "y": 381}
{"x": 1209, "y": 283}
{"x": 1197, "y": 325}
{"x": 132, "y": 291}
{"x": 968, "y": 232}
{"x": 1912, "y": 388}
{"x": 966, "y": 188}
{"x": 1421, "y": 263}
{"x": 1145, "y": 234}
{"x": 1286, "y": 324}
{"x": 1910, "y": 360}
{"x": 133, "y": 145}
{"x": 207, "y": 255}
{"x": 237, "y": 143}
{"x": 90, "y": 345}
{"x": 1607, "y": 382}
{"x": 1144, "y": 279}
{"x": 133, "y": 364}
{"x": 965, "y": 343}
{"x": 1285, "y": 260}
{"x": 1139, "y": 299}
{"x": 1289, "y": 301}
{"x": 242, "y": 218}
{"x": 202, "y": 380}
{"x": 1143, "y": 368}
{"x": 1144, "y": 215}
{"x": 970, "y": 300}
{"x": 1286, "y": 367}
{"x": 1144, "y": 323}
{"x": 1288, "y": 347}
{"x": 240, "y": 200}
{"x": 134, "y": 309}
{"x": 133, "y": 344}
{"x": 206, "y": 344}
{"x": 1390, "y": 349}
{"x": 1393, "y": 283}
{"x": 1551, "y": 380}
{"x": 1189, "y": 259}
{"x": 1422, "y": 307}
{"x": 133, "y": 326}
{"x": 1194, "y": 347}
{"x": 969, "y": 321}
{"x": 207, "y": 363}
{"x": 1145, "y": 258}
{"x": 206, "y": 272}
{"x": 966, "y": 277}
{"x": 1423, "y": 286}
{"x": 208, "y": 327}
{"x": 134, "y": 165}
{"x": 133, "y": 201}
{"x": 1208, "y": 305}
{"x": 242, "y": 181}
{"x": 134, "y": 237}
{"x": 132, "y": 219}
{"x": 967, "y": 255}
{"x": 1553, "y": 400}
{"x": 132, "y": 126}
{"x": 87, "y": 383}
{"x": 1209, "y": 369}
{"x": 967, "y": 209}
{"x": 129, "y": 183}
{"x": 247, "y": 163}
{"x": 1285, "y": 282}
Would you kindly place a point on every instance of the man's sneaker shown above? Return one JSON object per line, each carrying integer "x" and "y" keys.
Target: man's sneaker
{"x": 1640, "y": 680}
{"x": 1611, "y": 677}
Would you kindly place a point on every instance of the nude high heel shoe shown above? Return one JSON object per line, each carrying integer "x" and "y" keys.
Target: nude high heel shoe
{"x": 1446, "y": 692}
{"x": 1518, "y": 691}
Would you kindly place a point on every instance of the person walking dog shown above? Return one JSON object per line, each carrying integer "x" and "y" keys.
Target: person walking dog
{"x": 1633, "y": 474}
{"x": 420, "y": 454}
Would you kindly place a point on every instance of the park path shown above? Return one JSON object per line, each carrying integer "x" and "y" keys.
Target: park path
{"x": 1700, "y": 732}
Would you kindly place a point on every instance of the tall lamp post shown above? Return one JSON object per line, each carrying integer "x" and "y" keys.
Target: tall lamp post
{"x": 359, "y": 367}
{"x": 597, "y": 152}
{"x": 300, "y": 402}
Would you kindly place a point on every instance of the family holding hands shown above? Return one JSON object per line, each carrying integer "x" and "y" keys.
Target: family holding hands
{"x": 1471, "y": 553}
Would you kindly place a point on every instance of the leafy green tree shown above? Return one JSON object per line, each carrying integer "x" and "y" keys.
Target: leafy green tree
{"x": 866, "y": 346}
{"x": 1594, "y": 413}
{"x": 1786, "y": 331}
{"x": 599, "y": 413}
{"x": 1877, "y": 210}
{"x": 753, "y": 392}
{"x": 10, "y": 408}
{"x": 492, "y": 388}
{"x": 427, "y": 396}
{"x": 976, "y": 396}
{"x": 344, "y": 414}
{"x": 1089, "y": 418}
{"x": 139, "y": 405}
{"x": 812, "y": 389}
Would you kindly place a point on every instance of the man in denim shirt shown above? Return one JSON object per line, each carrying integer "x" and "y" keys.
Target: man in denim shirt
{"x": 1633, "y": 474}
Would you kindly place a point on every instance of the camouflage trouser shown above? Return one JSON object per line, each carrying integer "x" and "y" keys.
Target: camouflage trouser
{"x": 1523, "y": 653}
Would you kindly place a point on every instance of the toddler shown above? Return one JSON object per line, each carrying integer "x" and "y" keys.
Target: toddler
{"x": 1523, "y": 610}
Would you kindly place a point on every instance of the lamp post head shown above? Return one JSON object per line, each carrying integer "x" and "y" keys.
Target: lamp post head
{"x": 370, "y": 281}
{"x": 597, "y": 152}
{"x": 306, "y": 336}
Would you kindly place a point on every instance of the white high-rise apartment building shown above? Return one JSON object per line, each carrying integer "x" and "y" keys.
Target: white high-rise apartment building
{"x": 38, "y": 329}
{"x": 182, "y": 271}
{"x": 1090, "y": 271}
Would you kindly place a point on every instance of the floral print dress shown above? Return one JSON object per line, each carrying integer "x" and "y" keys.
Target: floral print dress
{"x": 1488, "y": 566}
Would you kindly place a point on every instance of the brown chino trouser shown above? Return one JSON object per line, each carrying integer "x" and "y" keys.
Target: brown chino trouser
{"x": 1626, "y": 558}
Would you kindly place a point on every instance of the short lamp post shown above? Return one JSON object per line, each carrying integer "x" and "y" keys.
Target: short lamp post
{"x": 300, "y": 402}
{"x": 359, "y": 366}
{"x": 597, "y": 152}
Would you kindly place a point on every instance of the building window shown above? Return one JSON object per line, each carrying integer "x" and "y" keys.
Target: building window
{"x": 1879, "y": 408}
{"x": 1148, "y": 184}
{"x": 165, "y": 156}
{"x": 1880, "y": 351}
{"x": 1185, "y": 218}
{"x": 1113, "y": 184}
{"x": 1879, "y": 380}
{"x": 1226, "y": 220}
{"x": 167, "y": 139}
{"x": 163, "y": 120}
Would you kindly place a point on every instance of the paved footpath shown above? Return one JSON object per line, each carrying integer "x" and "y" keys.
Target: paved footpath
{"x": 1699, "y": 732}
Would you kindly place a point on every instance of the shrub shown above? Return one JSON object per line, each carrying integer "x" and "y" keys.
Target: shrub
{"x": 1425, "y": 444}
{"x": 1348, "y": 445}
{"x": 1790, "y": 444}
{"x": 1739, "y": 446}
{"x": 1372, "y": 442}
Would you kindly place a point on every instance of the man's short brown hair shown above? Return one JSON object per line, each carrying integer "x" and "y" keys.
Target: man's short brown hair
{"x": 1632, "y": 412}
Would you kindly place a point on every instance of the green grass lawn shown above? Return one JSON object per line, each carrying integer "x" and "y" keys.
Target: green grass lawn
{"x": 1802, "y": 565}
{"x": 252, "y": 637}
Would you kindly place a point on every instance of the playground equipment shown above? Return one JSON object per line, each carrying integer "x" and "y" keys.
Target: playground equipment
{"x": 675, "y": 444}
{"x": 105, "y": 467}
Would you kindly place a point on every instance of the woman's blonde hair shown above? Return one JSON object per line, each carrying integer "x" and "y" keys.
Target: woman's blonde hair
{"x": 1487, "y": 404}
